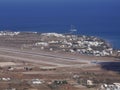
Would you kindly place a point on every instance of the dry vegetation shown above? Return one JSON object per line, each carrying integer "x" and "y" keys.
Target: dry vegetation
{"x": 56, "y": 71}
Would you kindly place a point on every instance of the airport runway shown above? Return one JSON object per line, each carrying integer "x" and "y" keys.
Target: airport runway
{"x": 44, "y": 58}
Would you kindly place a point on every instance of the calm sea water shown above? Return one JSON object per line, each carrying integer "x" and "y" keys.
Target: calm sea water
{"x": 112, "y": 66}
{"x": 91, "y": 17}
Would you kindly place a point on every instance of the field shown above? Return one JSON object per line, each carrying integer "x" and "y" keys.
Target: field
{"x": 19, "y": 67}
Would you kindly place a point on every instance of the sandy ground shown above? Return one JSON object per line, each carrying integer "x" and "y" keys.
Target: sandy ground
{"x": 66, "y": 66}
{"x": 34, "y": 57}
{"x": 3, "y": 64}
{"x": 56, "y": 59}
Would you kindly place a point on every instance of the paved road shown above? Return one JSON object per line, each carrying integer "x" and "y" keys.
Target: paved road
{"x": 36, "y": 57}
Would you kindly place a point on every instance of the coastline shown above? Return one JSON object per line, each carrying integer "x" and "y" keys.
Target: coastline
{"x": 113, "y": 40}
{"x": 37, "y": 56}
{"x": 71, "y": 43}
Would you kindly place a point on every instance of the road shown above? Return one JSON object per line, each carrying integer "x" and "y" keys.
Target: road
{"x": 43, "y": 58}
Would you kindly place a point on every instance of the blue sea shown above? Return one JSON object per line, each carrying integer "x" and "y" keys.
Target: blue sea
{"x": 91, "y": 17}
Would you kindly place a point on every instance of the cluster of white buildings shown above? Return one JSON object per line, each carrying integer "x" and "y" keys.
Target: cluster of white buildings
{"x": 53, "y": 34}
{"x": 5, "y": 79}
{"x": 89, "y": 45}
{"x": 114, "y": 86}
{"x": 37, "y": 81}
{"x": 75, "y": 44}
{"x": 6, "y": 33}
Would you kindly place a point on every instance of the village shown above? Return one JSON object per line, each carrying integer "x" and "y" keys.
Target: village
{"x": 88, "y": 45}
{"x": 52, "y": 61}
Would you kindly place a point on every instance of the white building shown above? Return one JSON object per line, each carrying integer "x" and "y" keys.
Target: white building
{"x": 41, "y": 44}
{"x": 89, "y": 82}
{"x": 36, "y": 81}
{"x": 114, "y": 86}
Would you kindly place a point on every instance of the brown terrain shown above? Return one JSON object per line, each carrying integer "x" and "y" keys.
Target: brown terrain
{"x": 20, "y": 67}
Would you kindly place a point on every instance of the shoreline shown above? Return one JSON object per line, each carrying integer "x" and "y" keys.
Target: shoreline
{"x": 112, "y": 41}
{"x": 71, "y": 43}
{"x": 22, "y": 55}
